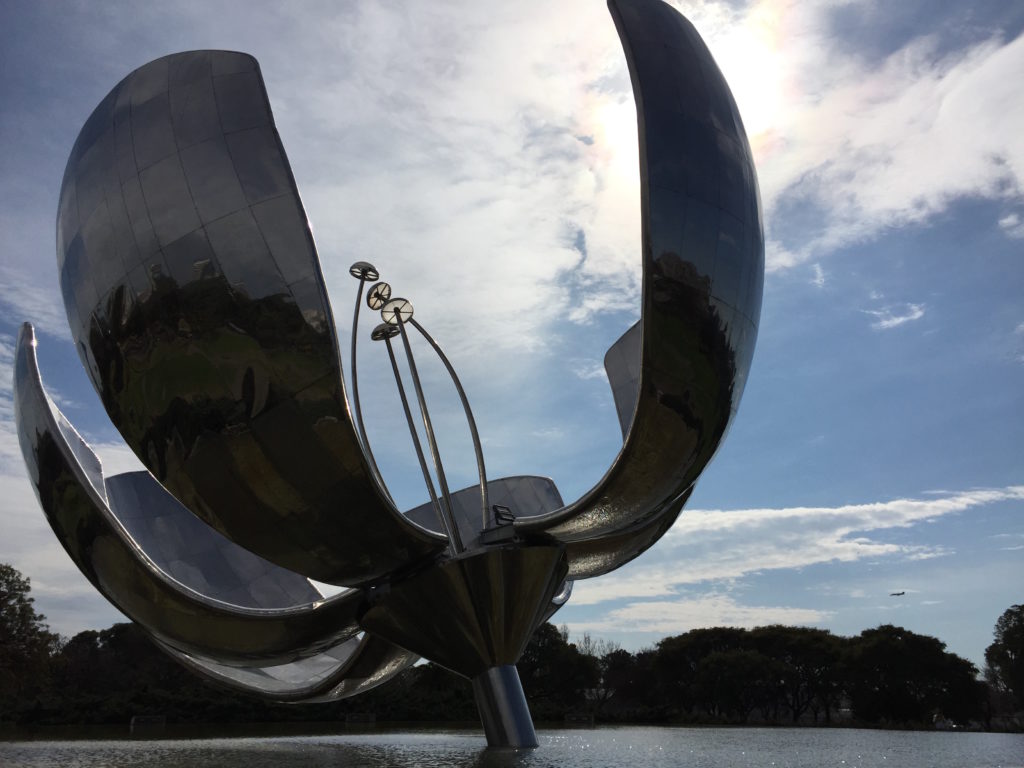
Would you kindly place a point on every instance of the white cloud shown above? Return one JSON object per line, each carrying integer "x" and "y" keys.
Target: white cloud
{"x": 10, "y": 455}
{"x": 1012, "y": 225}
{"x": 672, "y": 617}
{"x": 22, "y": 297}
{"x": 589, "y": 369}
{"x": 865, "y": 144}
{"x": 486, "y": 187}
{"x": 818, "y": 281}
{"x": 487, "y": 138}
{"x": 719, "y": 545}
{"x": 895, "y": 316}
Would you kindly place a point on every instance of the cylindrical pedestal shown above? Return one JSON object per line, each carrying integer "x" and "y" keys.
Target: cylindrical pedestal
{"x": 503, "y": 710}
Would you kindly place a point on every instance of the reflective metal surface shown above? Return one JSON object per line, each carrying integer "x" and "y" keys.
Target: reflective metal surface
{"x": 363, "y": 271}
{"x": 400, "y": 311}
{"x": 197, "y": 305}
{"x": 599, "y": 555}
{"x": 196, "y": 302}
{"x": 478, "y": 450}
{"x": 503, "y": 709}
{"x": 521, "y": 494}
{"x": 472, "y": 612}
{"x": 194, "y": 554}
{"x": 702, "y": 250}
{"x": 355, "y": 666}
{"x": 622, "y": 364}
{"x": 378, "y": 296}
{"x": 68, "y": 481}
{"x": 442, "y": 513}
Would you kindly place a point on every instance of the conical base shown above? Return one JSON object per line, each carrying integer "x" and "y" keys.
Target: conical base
{"x": 473, "y": 612}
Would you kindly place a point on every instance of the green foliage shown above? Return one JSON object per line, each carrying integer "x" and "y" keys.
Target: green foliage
{"x": 887, "y": 675}
{"x": 810, "y": 671}
{"x": 678, "y": 659}
{"x": 1004, "y": 659}
{"x": 26, "y": 643}
{"x": 898, "y": 677}
{"x": 730, "y": 685}
{"x": 555, "y": 675}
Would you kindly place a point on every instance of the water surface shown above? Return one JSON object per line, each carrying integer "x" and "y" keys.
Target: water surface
{"x": 656, "y": 747}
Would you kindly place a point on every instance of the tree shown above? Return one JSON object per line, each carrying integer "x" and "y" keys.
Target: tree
{"x": 26, "y": 643}
{"x": 677, "y": 659}
{"x": 1004, "y": 659}
{"x": 554, "y": 673}
{"x": 732, "y": 684}
{"x": 810, "y": 667}
{"x": 899, "y": 677}
{"x": 599, "y": 653}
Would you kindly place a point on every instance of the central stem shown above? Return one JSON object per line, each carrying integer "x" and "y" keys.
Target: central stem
{"x": 503, "y": 709}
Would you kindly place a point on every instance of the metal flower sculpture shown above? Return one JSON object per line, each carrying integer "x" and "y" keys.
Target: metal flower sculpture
{"x": 196, "y": 302}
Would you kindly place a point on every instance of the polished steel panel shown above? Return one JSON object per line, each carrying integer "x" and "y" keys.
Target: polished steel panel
{"x": 472, "y": 612}
{"x": 622, "y": 364}
{"x": 196, "y": 301}
{"x": 68, "y": 481}
{"x": 377, "y": 663}
{"x": 283, "y": 682}
{"x": 597, "y": 556}
{"x": 702, "y": 251}
{"x": 357, "y": 665}
{"x": 522, "y": 494}
{"x": 194, "y": 554}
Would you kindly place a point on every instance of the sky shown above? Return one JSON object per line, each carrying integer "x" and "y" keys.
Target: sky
{"x": 483, "y": 156}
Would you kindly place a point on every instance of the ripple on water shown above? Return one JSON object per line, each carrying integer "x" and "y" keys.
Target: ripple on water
{"x": 604, "y": 746}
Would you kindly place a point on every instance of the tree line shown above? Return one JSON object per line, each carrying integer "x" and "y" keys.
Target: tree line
{"x": 887, "y": 676}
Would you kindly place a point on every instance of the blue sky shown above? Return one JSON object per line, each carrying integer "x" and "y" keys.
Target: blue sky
{"x": 483, "y": 156}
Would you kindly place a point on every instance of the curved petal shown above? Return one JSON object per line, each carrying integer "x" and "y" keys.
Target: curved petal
{"x": 602, "y": 554}
{"x": 194, "y": 554}
{"x": 355, "y": 666}
{"x": 69, "y": 484}
{"x": 196, "y": 302}
{"x": 520, "y": 493}
{"x": 703, "y": 265}
{"x": 622, "y": 365}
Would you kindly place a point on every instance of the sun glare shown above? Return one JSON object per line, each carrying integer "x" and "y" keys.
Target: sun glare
{"x": 616, "y": 123}
{"x": 751, "y": 61}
